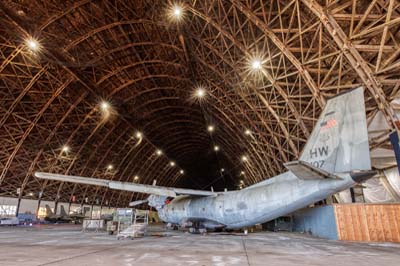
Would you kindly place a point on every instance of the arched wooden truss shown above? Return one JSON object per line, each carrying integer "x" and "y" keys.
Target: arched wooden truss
{"x": 147, "y": 66}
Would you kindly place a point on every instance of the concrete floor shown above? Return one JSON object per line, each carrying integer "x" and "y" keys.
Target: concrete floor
{"x": 66, "y": 245}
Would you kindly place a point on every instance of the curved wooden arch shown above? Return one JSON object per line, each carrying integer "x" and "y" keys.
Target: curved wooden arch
{"x": 110, "y": 26}
{"x": 316, "y": 50}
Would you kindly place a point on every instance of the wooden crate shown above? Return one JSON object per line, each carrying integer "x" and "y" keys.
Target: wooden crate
{"x": 368, "y": 222}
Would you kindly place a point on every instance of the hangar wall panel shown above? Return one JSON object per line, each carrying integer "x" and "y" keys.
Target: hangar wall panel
{"x": 28, "y": 206}
{"x": 368, "y": 222}
{"x": 8, "y": 201}
{"x": 318, "y": 221}
{"x": 9, "y": 204}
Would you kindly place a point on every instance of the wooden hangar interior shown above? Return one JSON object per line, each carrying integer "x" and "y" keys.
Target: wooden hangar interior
{"x": 209, "y": 95}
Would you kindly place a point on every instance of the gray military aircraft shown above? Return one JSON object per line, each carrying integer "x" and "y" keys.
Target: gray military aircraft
{"x": 335, "y": 158}
{"x": 63, "y": 217}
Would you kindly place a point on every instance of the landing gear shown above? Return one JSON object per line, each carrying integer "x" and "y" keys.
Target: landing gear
{"x": 202, "y": 231}
{"x": 193, "y": 230}
{"x": 218, "y": 229}
{"x": 172, "y": 226}
{"x": 197, "y": 228}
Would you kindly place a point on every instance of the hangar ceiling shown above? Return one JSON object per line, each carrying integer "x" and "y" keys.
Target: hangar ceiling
{"x": 96, "y": 88}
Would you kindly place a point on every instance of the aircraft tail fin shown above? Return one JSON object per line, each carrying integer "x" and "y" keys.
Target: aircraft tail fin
{"x": 49, "y": 212}
{"x": 339, "y": 140}
{"x": 62, "y": 211}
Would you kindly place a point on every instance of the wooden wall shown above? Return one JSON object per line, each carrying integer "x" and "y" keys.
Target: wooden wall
{"x": 368, "y": 222}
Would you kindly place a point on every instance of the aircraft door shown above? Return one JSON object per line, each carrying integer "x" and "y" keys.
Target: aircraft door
{"x": 219, "y": 208}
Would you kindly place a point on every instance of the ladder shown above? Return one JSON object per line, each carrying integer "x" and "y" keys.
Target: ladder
{"x": 138, "y": 227}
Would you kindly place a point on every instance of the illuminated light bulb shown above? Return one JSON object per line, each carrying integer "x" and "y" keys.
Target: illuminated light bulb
{"x": 177, "y": 11}
{"x": 247, "y": 132}
{"x": 222, "y": 170}
{"x": 30, "y": 194}
{"x": 159, "y": 152}
{"x": 244, "y": 158}
{"x": 242, "y": 173}
{"x": 200, "y": 93}
{"x": 139, "y": 135}
{"x": 110, "y": 167}
{"x": 172, "y": 163}
{"x": 256, "y": 64}
{"x": 65, "y": 148}
{"x": 105, "y": 106}
{"x": 136, "y": 178}
{"x": 210, "y": 128}
{"x": 181, "y": 172}
{"x": 216, "y": 148}
{"x": 32, "y": 44}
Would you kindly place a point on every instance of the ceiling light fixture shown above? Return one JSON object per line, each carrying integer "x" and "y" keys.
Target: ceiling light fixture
{"x": 176, "y": 12}
{"x": 256, "y": 64}
{"x": 33, "y": 44}
{"x": 200, "y": 92}
{"x": 139, "y": 135}
{"x": 104, "y": 106}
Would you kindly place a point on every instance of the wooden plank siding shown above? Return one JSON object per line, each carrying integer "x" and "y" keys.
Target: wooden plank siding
{"x": 368, "y": 222}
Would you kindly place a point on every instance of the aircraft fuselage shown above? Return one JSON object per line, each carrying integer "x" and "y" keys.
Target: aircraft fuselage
{"x": 253, "y": 205}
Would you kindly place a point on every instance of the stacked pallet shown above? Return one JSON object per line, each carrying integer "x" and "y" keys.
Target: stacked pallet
{"x": 368, "y": 222}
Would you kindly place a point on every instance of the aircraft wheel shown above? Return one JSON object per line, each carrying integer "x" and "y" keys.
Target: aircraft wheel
{"x": 202, "y": 230}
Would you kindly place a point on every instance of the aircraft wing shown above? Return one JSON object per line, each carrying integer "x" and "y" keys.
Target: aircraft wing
{"x": 306, "y": 171}
{"x": 126, "y": 186}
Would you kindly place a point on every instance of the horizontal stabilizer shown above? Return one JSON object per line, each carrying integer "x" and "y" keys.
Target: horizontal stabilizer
{"x": 126, "y": 186}
{"x": 306, "y": 171}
